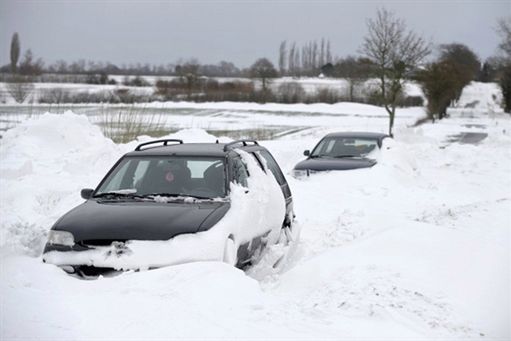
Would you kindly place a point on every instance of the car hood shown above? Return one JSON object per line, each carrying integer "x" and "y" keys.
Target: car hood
{"x": 135, "y": 220}
{"x": 325, "y": 164}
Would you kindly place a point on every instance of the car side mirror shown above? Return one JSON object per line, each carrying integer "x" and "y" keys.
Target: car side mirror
{"x": 306, "y": 152}
{"x": 86, "y": 193}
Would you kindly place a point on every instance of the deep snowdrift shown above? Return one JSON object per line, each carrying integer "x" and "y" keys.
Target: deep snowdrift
{"x": 417, "y": 246}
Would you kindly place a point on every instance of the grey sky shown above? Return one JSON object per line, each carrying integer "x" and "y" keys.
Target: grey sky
{"x": 238, "y": 31}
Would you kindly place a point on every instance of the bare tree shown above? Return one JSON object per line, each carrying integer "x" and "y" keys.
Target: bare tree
{"x": 282, "y": 57}
{"x": 504, "y": 30}
{"x": 322, "y": 53}
{"x": 314, "y": 57}
{"x": 297, "y": 64}
{"x": 53, "y": 95}
{"x": 29, "y": 67}
{"x": 328, "y": 52}
{"x": 15, "y": 51}
{"x": 264, "y": 70}
{"x": 77, "y": 66}
{"x": 396, "y": 51}
{"x": 305, "y": 57}
{"x": 309, "y": 54}
{"x": 291, "y": 63}
{"x": 61, "y": 66}
{"x": 19, "y": 89}
{"x": 291, "y": 92}
{"x": 189, "y": 74}
{"x": 308, "y": 58}
{"x": 355, "y": 71}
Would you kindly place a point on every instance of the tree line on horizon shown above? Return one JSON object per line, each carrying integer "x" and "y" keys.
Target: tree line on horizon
{"x": 390, "y": 53}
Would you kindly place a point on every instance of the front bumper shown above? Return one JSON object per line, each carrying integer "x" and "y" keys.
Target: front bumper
{"x": 303, "y": 173}
{"x": 139, "y": 254}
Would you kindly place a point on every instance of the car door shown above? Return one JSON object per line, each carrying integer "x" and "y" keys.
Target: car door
{"x": 251, "y": 234}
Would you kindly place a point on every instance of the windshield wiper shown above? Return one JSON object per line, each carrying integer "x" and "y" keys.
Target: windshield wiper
{"x": 175, "y": 195}
{"x": 347, "y": 155}
{"x": 119, "y": 195}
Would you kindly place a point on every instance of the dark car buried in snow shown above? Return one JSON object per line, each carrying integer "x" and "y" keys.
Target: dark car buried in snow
{"x": 341, "y": 151}
{"x": 174, "y": 203}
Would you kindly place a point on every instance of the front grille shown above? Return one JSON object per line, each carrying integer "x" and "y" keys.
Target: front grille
{"x": 100, "y": 242}
{"x": 93, "y": 272}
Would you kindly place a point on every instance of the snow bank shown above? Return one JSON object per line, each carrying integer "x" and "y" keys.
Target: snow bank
{"x": 416, "y": 247}
{"x": 407, "y": 274}
{"x": 193, "y": 135}
{"x": 415, "y": 220}
{"x": 346, "y": 108}
{"x": 45, "y": 162}
{"x": 397, "y": 158}
{"x": 174, "y": 298}
{"x": 481, "y": 96}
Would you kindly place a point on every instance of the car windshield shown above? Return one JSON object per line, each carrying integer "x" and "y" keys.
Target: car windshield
{"x": 202, "y": 177}
{"x": 340, "y": 147}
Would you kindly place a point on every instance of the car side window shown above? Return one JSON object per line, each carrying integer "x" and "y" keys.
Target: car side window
{"x": 324, "y": 147}
{"x": 273, "y": 166}
{"x": 240, "y": 173}
{"x": 117, "y": 178}
{"x": 328, "y": 146}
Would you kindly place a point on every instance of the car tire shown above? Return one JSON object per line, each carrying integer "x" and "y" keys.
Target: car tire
{"x": 230, "y": 252}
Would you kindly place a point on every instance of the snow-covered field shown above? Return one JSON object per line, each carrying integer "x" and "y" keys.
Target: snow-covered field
{"x": 310, "y": 85}
{"x": 416, "y": 247}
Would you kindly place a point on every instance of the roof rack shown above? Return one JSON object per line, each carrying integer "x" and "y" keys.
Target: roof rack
{"x": 232, "y": 144}
{"x": 165, "y": 142}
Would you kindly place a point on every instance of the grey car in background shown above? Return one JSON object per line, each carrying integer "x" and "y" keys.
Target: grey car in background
{"x": 341, "y": 151}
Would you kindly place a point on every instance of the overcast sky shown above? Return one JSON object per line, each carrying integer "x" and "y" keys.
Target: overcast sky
{"x": 238, "y": 31}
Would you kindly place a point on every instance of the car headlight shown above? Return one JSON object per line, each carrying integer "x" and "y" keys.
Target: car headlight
{"x": 300, "y": 173}
{"x": 61, "y": 238}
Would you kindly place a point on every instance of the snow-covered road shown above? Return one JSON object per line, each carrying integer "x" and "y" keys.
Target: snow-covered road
{"x": 416, "y": 247}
